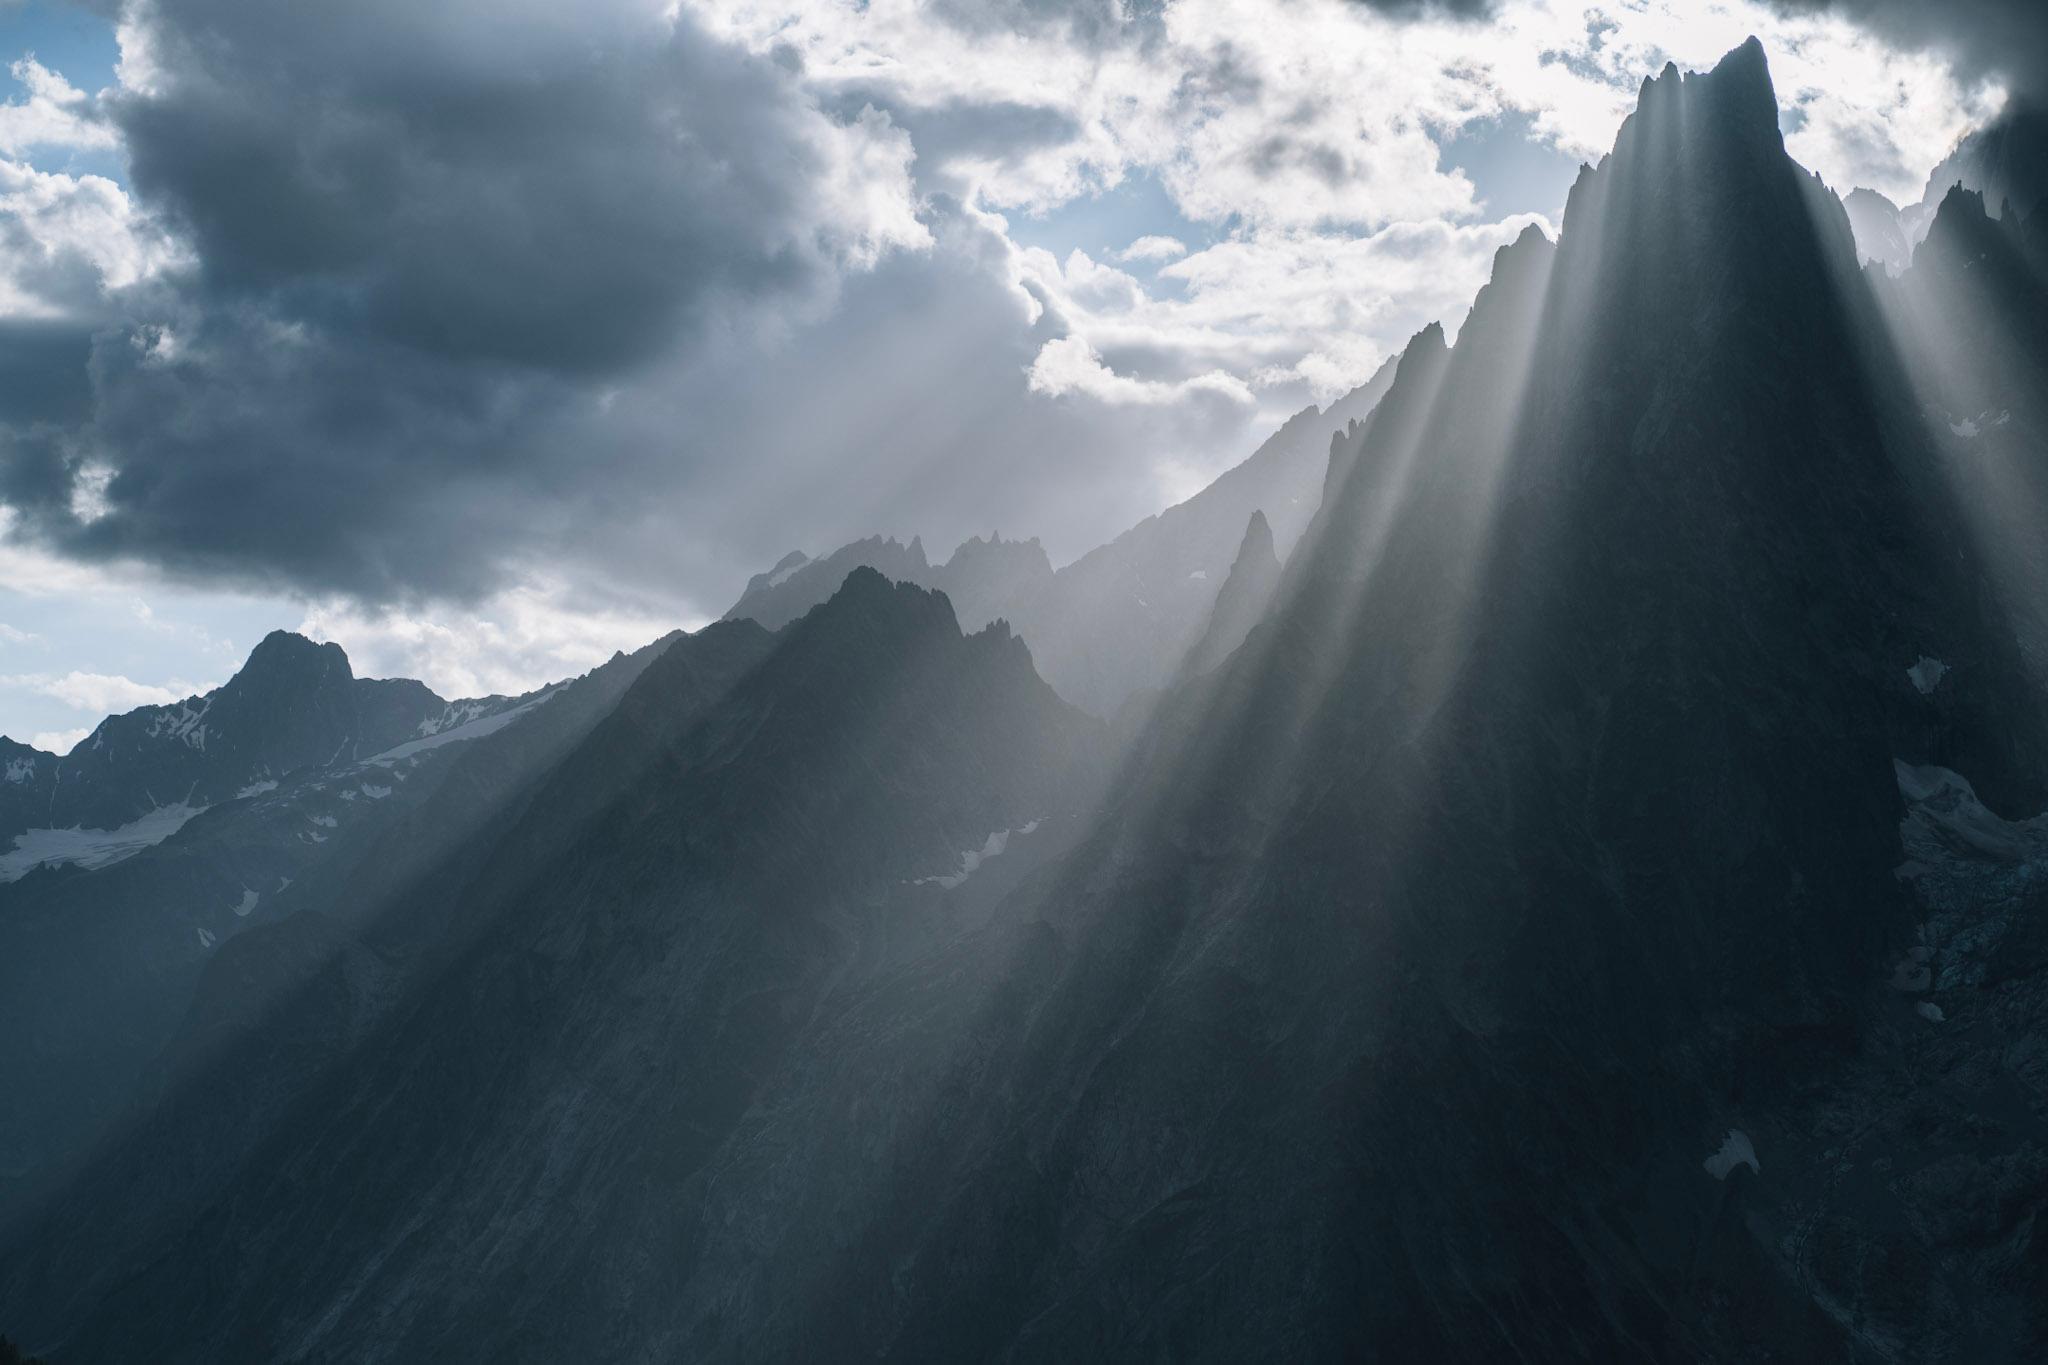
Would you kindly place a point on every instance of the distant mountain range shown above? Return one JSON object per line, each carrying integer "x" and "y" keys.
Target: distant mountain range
{"x": 2005, "y": 162}
{"x": 1543, "y": 861}
{"x": 1119, "y": 620}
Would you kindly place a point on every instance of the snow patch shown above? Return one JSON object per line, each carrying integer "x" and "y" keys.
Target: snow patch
{"x": 205, "y": 938}
{"x": 453, "y": 714}
{"x": 182, "y": 724}
{"x": 248, "y": 902}
{"x": 1927, "y": 674}
{"x": 1966, "y": 428}
{"x": 783, "y": 575}
{"x": 256, "y": 789}
{"x": 282, "y": 883}
{"x": 1199, "y": 574}
{"x": 1736, "y": 1150}
{"x": 375, "y": 792}
{"x": 992, "y": 847}
{"x": 468, "y": 730}
{"x": 92, "y": 848}
{"x": 20, "y": 769}
{"x": 324, "y": 821}
{"x": 1930, "y": 1011}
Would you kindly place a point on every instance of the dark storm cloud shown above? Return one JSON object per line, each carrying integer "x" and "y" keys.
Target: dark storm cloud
{"x": 429, "y": 240}
{"x": 2006, "y": 40}
{"x": 473, "y": 183}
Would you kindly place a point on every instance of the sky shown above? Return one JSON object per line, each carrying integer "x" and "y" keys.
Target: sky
{"x": 490, "y": 336}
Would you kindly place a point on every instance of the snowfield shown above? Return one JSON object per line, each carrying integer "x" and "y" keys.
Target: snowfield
{"x": 92, "y": 848}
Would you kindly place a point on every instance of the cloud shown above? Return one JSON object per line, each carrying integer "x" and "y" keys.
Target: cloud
{"x": 101, "y": 693}
{"x": 66, "y": 241}
{"x": 14, "y": 635}
{"x": 1068, "y": 365}
{"x": 1153, "y": 248}
{"x": 50, "y": 112}
{"x": 518, "y": 639}
{"x": 529, "y": 311}
{"x": 58, "y": 741}
{"x": 2001, "y": 40}
{"x": 423, "y": 243}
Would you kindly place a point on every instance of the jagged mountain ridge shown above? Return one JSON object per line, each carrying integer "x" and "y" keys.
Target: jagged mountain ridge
{"x": 772, "y": 847}
{"x": 1486, "y": 959}
{"x": 2005, "y": 161}
{"x": 293, "y": 705}
{"x": 1538, "y": 903}
{"x": 1122, "y": 618}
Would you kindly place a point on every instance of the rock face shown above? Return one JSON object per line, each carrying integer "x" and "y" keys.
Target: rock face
{"x": 1242, "y": 599}
{"x": 1585, "y": 916}
{"x": 1441, "y": 936}
{"x": 1123, "y": 617}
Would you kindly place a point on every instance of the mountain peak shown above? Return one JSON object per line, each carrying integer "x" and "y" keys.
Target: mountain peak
{"x": 1258, "y": 538}
{"x": 287, "y": 654}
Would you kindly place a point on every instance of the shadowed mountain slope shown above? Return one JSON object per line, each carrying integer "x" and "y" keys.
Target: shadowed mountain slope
{"x": 700, "y": 884}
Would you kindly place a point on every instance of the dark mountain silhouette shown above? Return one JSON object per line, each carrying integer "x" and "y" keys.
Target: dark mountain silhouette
{"x": 2006, "y": 161}
{"x": 1575, "y": 895}
{"x": 294, "y": 704}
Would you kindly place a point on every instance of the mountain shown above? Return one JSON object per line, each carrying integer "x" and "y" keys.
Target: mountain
{"x": 132, "y": 781}
{"x": 1577, "y": 895}
{"x": 1880, "y": 230}
{"x": 798, "y": 583}
{"x": 100, "y": 956}
{"x": 2006, "y": 161}
{"x": 1971, "y": 318}
{"x": 1458, "y": 970}
{"x": 1243, "y": 598}
{"x": 797, "y": 818}
{"x": 1122, "y": 618}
